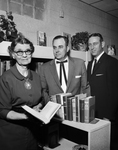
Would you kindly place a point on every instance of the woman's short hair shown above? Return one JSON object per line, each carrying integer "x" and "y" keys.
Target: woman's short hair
{"x": 22, "y": 40}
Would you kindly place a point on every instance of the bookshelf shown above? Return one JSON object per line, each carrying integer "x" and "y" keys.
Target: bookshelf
{"x": 41, "y": 55}
{"x": 97, "y": 135}
{"x": 46, "y": 52}
{"x": 40, "y": 51}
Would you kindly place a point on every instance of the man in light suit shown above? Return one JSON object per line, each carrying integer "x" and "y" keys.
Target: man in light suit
{"x": 74, "y": 77}
{"x": 103, "y": 81}
{"x": 75, "y": 71}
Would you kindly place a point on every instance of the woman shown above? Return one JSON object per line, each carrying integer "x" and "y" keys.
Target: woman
{"x": 19, "y": 86}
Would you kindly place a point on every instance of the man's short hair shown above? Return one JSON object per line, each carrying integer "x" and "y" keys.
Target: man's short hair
{"x": 59, "y": 37}
{"x": 96, "y": 34}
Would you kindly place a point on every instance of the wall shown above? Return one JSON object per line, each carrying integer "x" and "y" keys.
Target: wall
{"x": 77, "y": 17}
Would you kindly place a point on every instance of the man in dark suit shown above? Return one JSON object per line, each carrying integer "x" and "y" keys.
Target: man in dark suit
{"x": 74, "y": 72}
{"x": 103, "y": 81}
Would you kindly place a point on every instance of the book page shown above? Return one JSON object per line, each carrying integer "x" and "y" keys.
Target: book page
{"x": 49, "y": 110}
{"x": 35, "y": 114}
{"x": 46, "y": 113}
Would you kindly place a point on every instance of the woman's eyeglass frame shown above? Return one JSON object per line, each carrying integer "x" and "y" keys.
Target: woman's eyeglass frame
{"x": 20, "y": 53}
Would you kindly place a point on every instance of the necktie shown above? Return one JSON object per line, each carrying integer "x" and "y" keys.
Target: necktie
{"x": 95, "y": 62}
{"x": 62, "y": 71}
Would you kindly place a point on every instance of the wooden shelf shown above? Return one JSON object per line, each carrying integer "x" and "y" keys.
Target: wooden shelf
{"x": 40, "y": 51}
{"x": 89, "y": 127}
{"x": 45, "y": 52}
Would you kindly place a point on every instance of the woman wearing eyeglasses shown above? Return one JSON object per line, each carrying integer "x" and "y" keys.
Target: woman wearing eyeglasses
{"x": 19, "y": 86}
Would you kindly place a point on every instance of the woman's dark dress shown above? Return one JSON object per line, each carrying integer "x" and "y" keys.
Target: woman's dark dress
{"x": 17, "y": 135}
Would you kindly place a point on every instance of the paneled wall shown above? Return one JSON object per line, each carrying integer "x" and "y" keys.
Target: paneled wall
{"x": 68, "y": 16}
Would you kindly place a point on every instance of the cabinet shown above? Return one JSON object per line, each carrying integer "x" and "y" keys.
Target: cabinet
{"x": 97, "y": 135}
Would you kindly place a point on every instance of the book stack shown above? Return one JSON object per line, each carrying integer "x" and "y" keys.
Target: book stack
{"x": 78, "y": 108}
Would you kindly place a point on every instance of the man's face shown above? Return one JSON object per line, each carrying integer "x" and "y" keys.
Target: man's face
{"x": 95, "y": 46}
{"x": 60, "y": 49}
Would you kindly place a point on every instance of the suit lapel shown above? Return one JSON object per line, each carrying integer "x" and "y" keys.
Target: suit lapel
{"x": 71, "y": 73}
{"x": 54, "y": 72}
{"x": 55, "y": 75}
{"x": 99, "y": 62}
{"x": 89, "y": 69}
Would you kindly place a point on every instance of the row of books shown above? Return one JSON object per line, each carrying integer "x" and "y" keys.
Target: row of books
{"x": 6, "y": 64}
{"x": 78, "y": 108}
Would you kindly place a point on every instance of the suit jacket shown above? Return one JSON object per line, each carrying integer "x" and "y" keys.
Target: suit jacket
{"x": 104, "y": 86}
{"x": 77, "y": 78}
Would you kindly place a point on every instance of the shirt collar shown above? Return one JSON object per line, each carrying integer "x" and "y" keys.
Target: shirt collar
{"x": 98, "y": 57}
{"x": 60, "y": 61}
{"x": 15, "y": 71}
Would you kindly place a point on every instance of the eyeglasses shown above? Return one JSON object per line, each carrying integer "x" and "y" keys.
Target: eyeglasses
{"x": 20, "y": 53}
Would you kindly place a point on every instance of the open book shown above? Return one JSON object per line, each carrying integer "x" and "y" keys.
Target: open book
{"x": 46, "y": 114}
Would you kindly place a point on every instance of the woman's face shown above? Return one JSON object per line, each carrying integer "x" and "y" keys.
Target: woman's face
{"x": 22, "y": 54}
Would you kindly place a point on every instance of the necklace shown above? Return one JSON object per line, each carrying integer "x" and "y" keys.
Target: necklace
{"x": 27, "y": 84}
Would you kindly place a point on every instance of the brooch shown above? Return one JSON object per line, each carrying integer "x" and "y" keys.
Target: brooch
{"x": 27, "y": 84}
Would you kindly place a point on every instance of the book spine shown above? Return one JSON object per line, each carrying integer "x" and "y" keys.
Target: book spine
{"x": 62, "y": 107}
{"x": 69, "y": 109}
{"x": 7, "y": 64}
{"x": 60, "y": 112}
{"x": 86, "y": 112}
{"x": 74, "y": 108}
{"x": 77, "y": 109}
{"x": 92, "y": 109}
{"x": 81, "y": 110}
{"x": 3, "y": 66}
{"x": 65, "y": 107}
{"x": 89, "y": 109}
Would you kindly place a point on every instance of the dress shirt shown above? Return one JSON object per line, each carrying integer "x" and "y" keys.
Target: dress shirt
{"x": 63, "y": 86}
